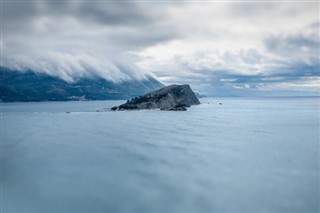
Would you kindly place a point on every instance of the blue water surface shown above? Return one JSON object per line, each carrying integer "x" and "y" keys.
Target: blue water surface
{"x": 248, "y": 154}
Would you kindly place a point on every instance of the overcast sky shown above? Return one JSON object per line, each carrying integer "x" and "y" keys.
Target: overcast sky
{"x": 219, "y": 48}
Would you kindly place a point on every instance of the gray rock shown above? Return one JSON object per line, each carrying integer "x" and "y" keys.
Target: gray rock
{"x": 170, "y": 98}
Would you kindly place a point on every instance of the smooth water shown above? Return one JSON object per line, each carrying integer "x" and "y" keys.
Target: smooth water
{"x": 244, "y": 155}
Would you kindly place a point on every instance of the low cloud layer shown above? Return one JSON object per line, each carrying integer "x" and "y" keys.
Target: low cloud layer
{"x": 220, "y": 48}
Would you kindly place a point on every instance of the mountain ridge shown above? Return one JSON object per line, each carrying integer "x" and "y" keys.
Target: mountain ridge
{"x": 32, "y": 86}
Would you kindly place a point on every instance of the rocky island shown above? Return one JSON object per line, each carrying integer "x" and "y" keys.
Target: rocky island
{"x": 170, "y": 98}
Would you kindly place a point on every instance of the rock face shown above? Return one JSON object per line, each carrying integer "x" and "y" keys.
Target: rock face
{"x": 171, "y": 98}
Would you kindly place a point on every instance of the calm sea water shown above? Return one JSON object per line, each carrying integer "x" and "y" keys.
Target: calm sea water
{"x": 244, "y": 155}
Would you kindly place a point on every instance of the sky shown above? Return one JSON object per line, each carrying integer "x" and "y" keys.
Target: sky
{"x": 220, "y": 48}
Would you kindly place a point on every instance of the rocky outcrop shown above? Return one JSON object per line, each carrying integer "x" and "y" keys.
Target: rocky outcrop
{"x": 171, "y": 98}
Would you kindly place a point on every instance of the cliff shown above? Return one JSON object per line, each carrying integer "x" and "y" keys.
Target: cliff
{"x": 173, "y": 97}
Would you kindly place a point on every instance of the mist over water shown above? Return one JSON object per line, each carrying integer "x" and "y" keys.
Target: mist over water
{"x": 244, "y": 155}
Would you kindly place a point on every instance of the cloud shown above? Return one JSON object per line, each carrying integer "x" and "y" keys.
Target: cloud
{"x": 258, "y": 42}
{"x": 114, "y": 13}
{"x": 217, "y": 47}
{"x": 307, "y": 45}
{"x": 72, "y": 39}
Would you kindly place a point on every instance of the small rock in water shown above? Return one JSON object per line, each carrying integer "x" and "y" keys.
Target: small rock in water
{"x": 114, "y": 108}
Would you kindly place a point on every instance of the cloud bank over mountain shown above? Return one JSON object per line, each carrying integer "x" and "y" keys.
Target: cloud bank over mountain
{"x": 225, "y": 48}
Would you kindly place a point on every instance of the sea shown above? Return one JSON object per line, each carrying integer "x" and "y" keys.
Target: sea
{"x": 224, "y": 155}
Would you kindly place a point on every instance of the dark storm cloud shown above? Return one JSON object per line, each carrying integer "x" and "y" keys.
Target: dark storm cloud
{"x": 129, "y": 22}
{"x": 18, "y": 11}
{"x": 300, "y": 55}
{"x": 293, "y": 44}
{"x": 299, "y": 68}
{"x": 17, "y": 15}
{"x": 112, "y": 12}
{"x": 115, "y": 13}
